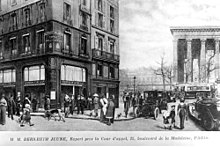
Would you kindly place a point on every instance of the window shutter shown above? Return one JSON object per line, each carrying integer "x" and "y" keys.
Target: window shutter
{"x": 64, "y": 11}
{"x": 96, "y": 4}
{"x": 96, "y": 42}
{"x": 108, "y": 50}
{"x": 96, "y": 19}
{"x": 104, "y": 22}
{"x": 104, "y": 44}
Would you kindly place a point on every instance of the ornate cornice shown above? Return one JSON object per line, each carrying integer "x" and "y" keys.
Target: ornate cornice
{"x": 195, "y": 29}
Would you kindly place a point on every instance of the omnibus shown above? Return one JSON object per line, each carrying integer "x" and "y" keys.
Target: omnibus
{"x": 191, "y": 91}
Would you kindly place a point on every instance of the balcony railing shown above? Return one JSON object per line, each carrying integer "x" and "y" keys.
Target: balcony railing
{"x": 105, "y": 55}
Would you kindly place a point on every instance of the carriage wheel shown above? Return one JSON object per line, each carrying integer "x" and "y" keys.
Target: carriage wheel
{"x": 156, "y": 113}
{"x": 137, "y": 112}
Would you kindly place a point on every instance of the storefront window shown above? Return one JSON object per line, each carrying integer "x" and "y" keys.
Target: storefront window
{"x": 34, "y": 73}
{"x": 1, "y": 77}
{"x": 72, "y": 73}
{"x": 106, "y": 71}
{"x": 42, "y": 73}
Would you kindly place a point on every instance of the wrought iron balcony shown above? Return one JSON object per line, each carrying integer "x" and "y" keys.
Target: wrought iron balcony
{"x": 105, "y": 55}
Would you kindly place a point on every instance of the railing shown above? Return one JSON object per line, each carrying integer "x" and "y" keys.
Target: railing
{"x": 105, "y": 55}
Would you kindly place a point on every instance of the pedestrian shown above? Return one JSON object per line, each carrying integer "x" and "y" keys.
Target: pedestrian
{"x": 90, "y": 103}
{"x": 127, "y": 105}
{"x": 34, "y": 104}
{"x": 26, "y": 116}
{"x": 103, "y": 105}
{"x": 182, "y": 112}
{"x": 110, "y": 111}
{"x": 67, "y": 105}
{"x": 47, "y": 102}
{"x": 72, "y": 101}
{"x": 80, "y": 104}
{"x": 172, "y": 116}
{"x": 96, "y": 104}
{"x": 18, "y": 104}
{"x": 11, "y": 107}
{"x": 26, "y": 101}
{"x": 3, "y": 105}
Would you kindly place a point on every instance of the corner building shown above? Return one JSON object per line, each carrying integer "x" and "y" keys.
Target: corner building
{"x": 105, "y": 47}
{"x": 45, "y": 49}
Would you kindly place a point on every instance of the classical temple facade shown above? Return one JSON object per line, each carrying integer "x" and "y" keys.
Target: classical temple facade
{"x": 196, "y": 54}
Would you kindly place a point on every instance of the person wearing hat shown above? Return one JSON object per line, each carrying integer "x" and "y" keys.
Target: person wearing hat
{"x": 3, "y": 105}
{"x": 26, "y": 116}
{"x": 11, "y": 107}
{"x": 18, "y": 104}
{"x": 96, "y": 104}
{"x": 110, "y": 110}
{"x": 26, "y": 101}
{"x": 172, "y": 116}
{"x": 182, "y": 112}
{"x": 103, "y": 104}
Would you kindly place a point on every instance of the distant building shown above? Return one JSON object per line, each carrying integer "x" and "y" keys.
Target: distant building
{"x": 46, "y": 48}
{"x": 196, "y": 54}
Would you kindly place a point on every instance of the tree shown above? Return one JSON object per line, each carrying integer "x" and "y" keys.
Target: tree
{"x": 210, "y": 66}
{"x": 161, "y": 71}
{"x": 169, "y": 75}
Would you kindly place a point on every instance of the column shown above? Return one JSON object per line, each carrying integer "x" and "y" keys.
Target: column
{"x": 202, "y": 71}
{"x": 189, "y": 60}
{"x": 217, "y": 58}
{"x": 175, "y": 60}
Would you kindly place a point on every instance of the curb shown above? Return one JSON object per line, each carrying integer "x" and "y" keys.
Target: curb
{"x": 84, "y": 118}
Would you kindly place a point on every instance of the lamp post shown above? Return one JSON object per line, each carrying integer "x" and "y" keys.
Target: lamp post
{"x": 134, "y": 84}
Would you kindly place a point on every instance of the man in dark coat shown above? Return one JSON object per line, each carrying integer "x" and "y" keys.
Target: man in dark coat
{"x": 11, "y": 107}
{"x": 18, "y": 105}
{"x": 172, "y": 116}
{"x": 127, "y": 104}
{"x": 110, "y": 111}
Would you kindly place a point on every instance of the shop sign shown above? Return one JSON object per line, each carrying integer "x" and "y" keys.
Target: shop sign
{"x": 42, "y": 82}
{"x": 7, "y": 84}
{"x": 72, "y": 82}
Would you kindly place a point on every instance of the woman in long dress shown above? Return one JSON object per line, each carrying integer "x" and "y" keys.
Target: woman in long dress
{"x": 3, "y": 105}
{"x": 110, "y": 111}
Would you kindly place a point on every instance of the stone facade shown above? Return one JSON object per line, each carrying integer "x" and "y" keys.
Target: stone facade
{"x": 196, "y": 54}
{"x": 51, "y": 38}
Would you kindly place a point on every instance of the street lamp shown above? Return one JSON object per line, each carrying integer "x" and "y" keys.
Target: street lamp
{"x": 134, "y": 84}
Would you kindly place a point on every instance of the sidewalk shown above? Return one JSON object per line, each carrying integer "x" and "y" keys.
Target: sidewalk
{"x": 119, "y": 114}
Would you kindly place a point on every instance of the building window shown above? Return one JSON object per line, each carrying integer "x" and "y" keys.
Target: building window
{"x": 112, "y": 26}
{"x": 67, "y": 11}
{"x": 112, "y": 72}
{"x": 100, "y": 5}
{"x": 100, "y": 43}
{"x": 84, "y": 19}
{"x": 42, "y": 11}
{"x": 83, "y": 45}
{"x": 112, "y": 15}
{"x": 94, "y": 70}
{"x": 84, "y": 2}
{"x": 34, "y": 73}
{"x": 99, "y": 70}
{"x": 40, "y": 40}
{"x": 7, "y": 76}
{"x": 67, "y": 41}
{"x": 14, "y": 20}
{"x": 112, "y": 46}
{"x": 116, "y": 73}
{"x": 13, "y": 46}
{"x": 1, "y": 50}
{"x": 26, "y": 43}
{"x": 72, "y": 73}
{"x": 100, "y": 20}
{"x": 27, "y": 16}
{"x": 105, "y": 71}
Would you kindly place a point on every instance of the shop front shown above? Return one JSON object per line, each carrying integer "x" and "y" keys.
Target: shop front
{"x": 34, "y": 85}
{"x": 7, "y": 82}
{"x": 73, "y": 81}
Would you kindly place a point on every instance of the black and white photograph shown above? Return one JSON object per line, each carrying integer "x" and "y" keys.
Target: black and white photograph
{"x": 109, "y": 66}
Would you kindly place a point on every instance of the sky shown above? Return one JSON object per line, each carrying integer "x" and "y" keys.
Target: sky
{"x": 145, "y": 27}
